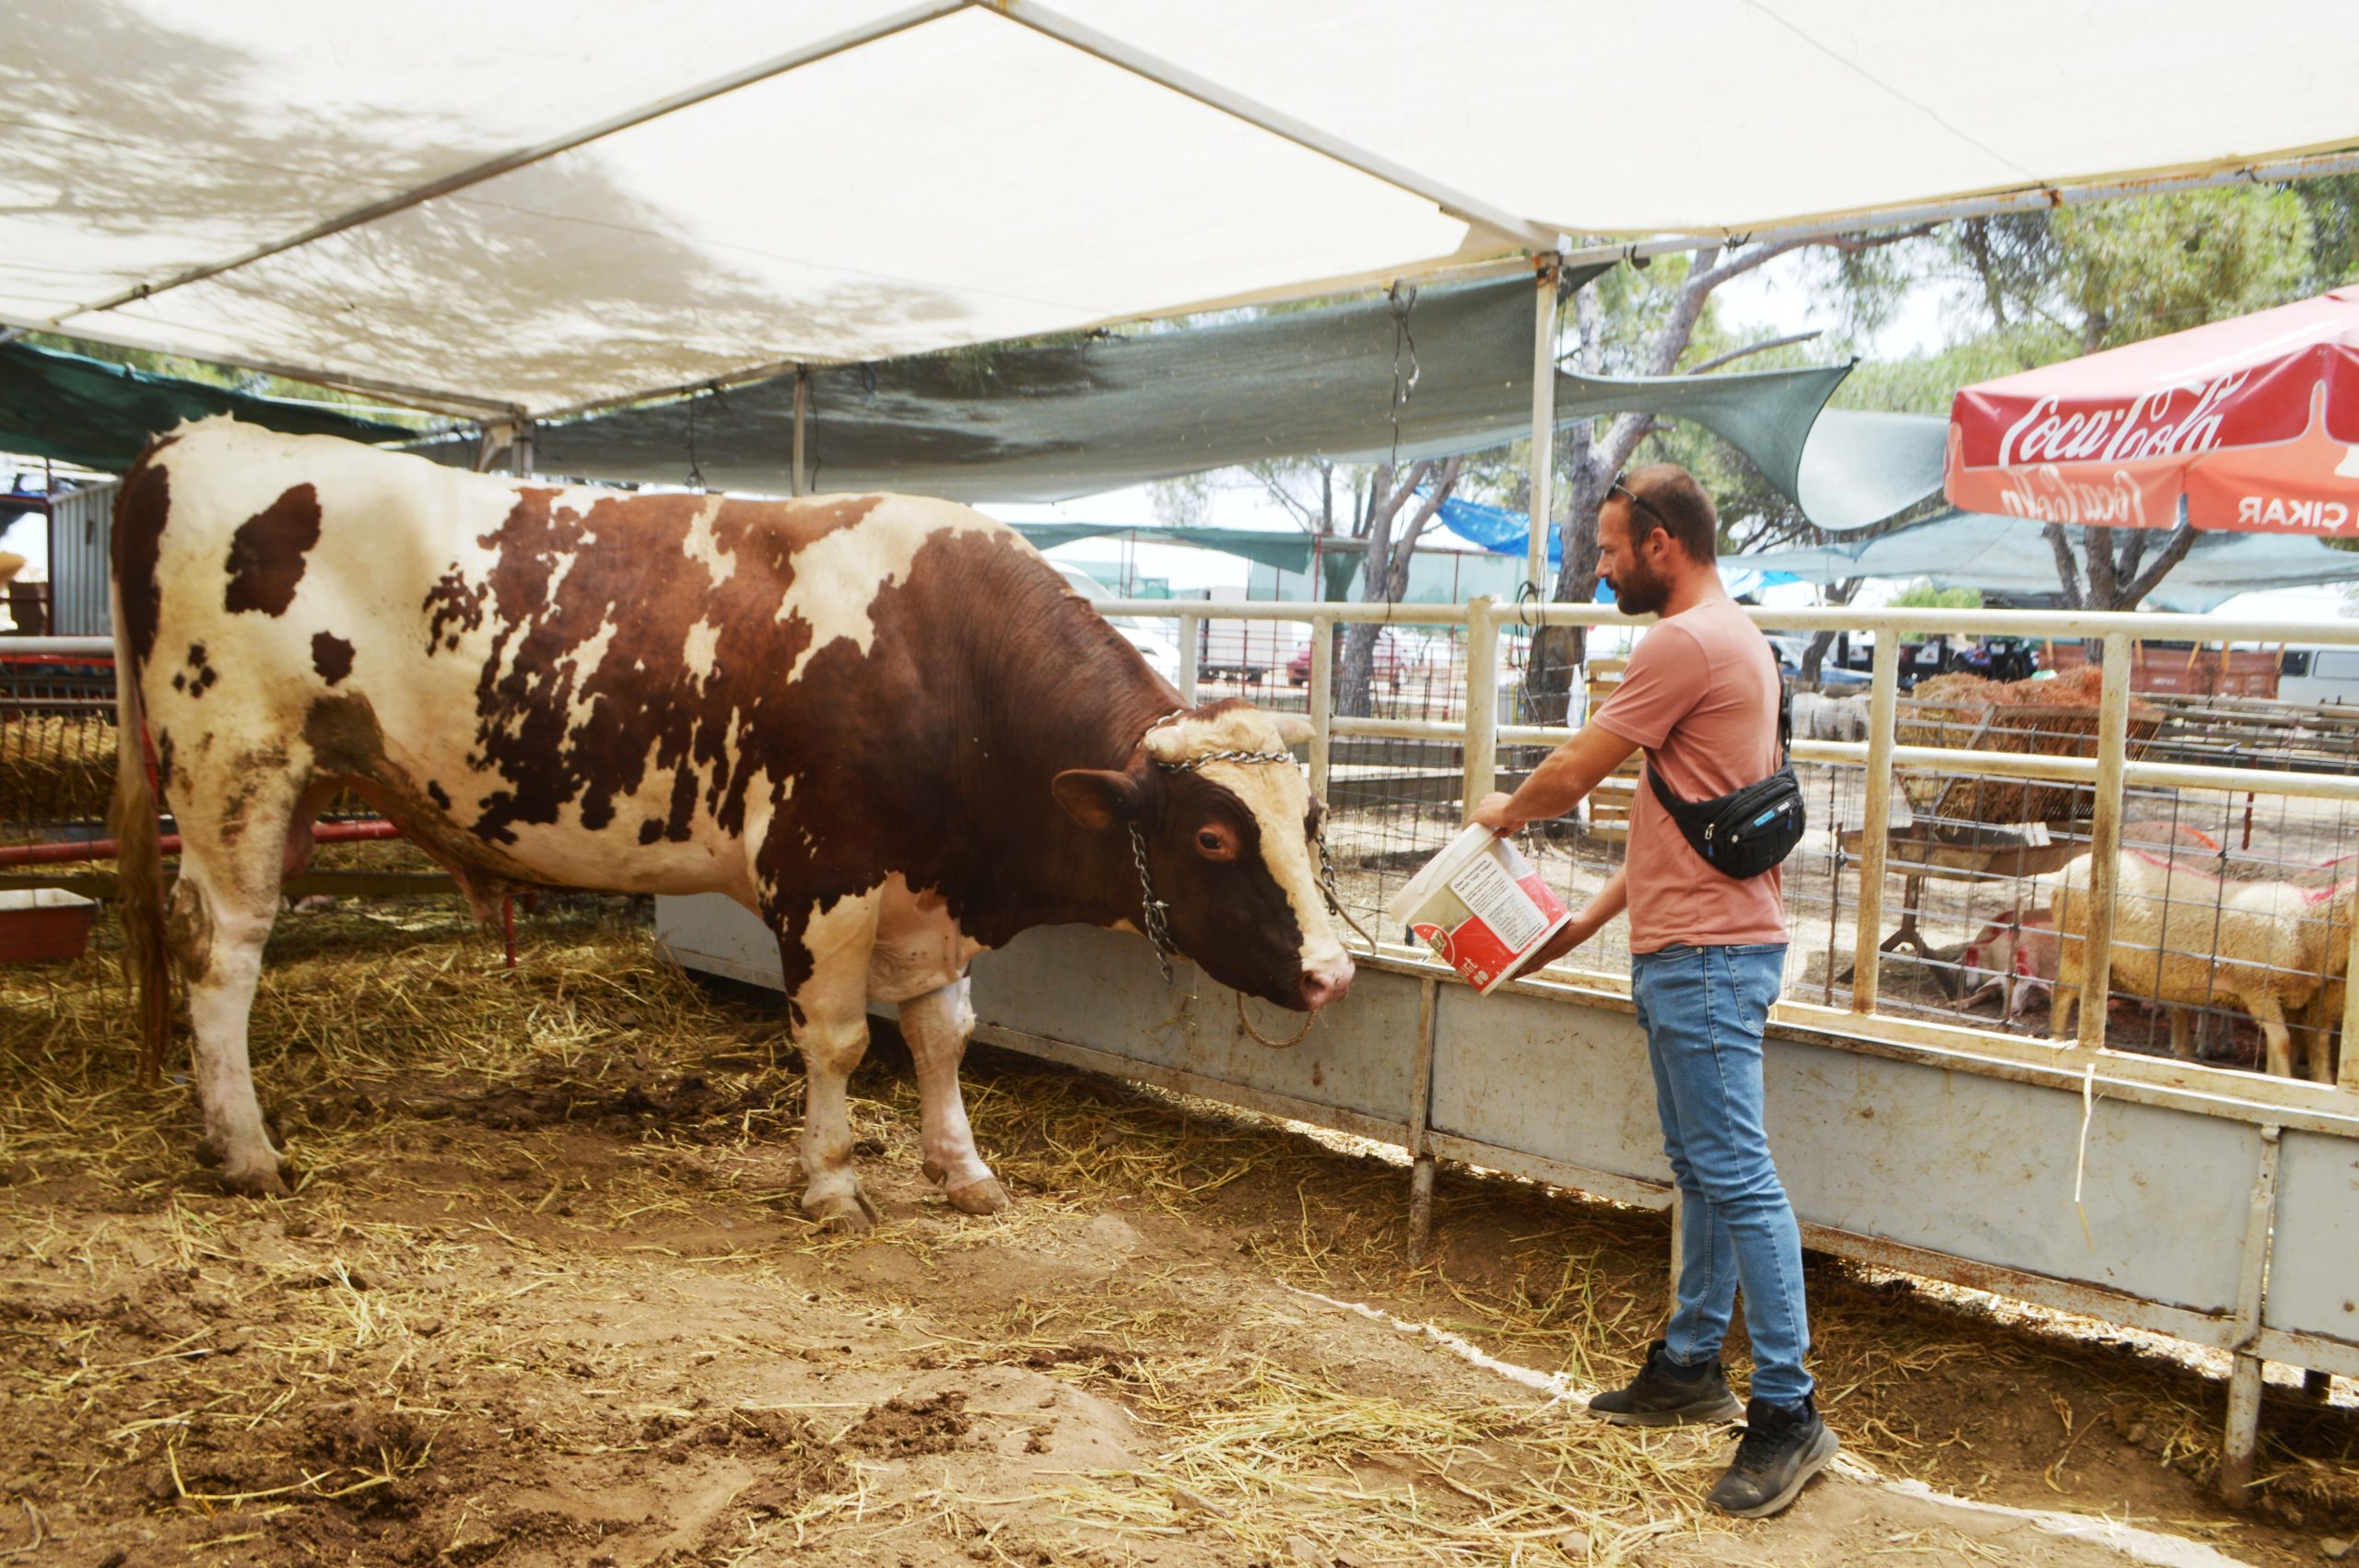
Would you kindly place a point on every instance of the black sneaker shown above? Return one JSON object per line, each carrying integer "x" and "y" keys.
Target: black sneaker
{"x": 1667, "y": 1394}
{"x": 1783, "y": 1447}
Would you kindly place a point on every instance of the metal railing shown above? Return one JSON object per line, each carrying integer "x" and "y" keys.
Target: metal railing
{"x": 2108, "y": 773}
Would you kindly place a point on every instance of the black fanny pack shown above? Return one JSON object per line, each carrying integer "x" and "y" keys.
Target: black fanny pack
{"x": 1745, "y": 833}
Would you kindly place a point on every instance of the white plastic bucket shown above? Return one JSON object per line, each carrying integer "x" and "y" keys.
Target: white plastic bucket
{"x": 1482, "y": 907}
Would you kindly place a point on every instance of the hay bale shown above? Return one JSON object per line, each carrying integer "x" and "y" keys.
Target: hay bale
{"x": 56, "y": 769}
{"x": 2055, "y": 718}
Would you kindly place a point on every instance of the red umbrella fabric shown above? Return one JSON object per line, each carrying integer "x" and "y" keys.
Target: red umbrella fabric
{"x": 2255, "y": 422}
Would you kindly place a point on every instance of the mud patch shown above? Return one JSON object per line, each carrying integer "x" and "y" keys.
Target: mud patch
{"x": 903, "y": 1428}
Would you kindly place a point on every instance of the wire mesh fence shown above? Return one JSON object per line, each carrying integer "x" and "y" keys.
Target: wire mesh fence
{"x": 1974, "y": 919}
{"x": 2233, "y": 904}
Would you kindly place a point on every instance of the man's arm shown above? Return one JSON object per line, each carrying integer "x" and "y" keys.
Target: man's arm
{"x": 1565, "y": 776}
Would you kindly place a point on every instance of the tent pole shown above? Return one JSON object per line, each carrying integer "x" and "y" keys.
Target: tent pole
{"x": 1462, "y": 205}
{"x": 801, "y": 484}
{"x": 1543, "y": 432}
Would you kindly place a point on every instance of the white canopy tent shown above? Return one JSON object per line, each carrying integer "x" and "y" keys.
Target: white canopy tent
{"x": 557, "y": 206}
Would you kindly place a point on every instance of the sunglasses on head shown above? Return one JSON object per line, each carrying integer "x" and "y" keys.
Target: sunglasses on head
{"x": 1636, "y": 500}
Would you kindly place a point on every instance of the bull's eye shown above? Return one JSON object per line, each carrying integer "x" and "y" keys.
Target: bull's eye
{"x": 1215, "y": 842}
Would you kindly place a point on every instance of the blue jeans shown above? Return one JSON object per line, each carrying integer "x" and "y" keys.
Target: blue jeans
{"x": 1703, "y": 1010}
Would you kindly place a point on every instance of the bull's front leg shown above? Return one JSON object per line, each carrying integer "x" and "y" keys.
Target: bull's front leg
{"x": 936, "y": 1025}
{"x": 831, "y": 1014}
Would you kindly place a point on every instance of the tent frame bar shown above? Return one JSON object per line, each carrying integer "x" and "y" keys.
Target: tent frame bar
{"x": 1535, "y": 237}
{"x": 1462, "y": 269}
{"x": 1988, "y": 203}
{"x": 1542, "y": 247}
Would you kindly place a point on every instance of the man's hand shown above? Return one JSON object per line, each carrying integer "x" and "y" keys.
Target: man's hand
{"x": 1495, "y": 812}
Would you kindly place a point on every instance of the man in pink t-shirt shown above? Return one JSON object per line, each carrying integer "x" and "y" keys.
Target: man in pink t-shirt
{"x": 1707, "y": 951}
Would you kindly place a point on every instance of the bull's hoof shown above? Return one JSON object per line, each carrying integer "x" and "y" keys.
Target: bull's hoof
{"x": 266, "y": 1178}
{"x": 844, "y": 1208}
{"x": 984, "y": 1197}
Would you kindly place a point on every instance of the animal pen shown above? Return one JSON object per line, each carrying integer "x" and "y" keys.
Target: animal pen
{"x": 2202, "y": 1201}
{"x": 2096, "y": 1176}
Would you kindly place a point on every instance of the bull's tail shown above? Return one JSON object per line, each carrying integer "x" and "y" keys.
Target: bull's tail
{"x": 139, "y": 861}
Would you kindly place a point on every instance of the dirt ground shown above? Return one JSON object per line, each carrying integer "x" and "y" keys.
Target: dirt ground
{"x": 543, "y": 1297}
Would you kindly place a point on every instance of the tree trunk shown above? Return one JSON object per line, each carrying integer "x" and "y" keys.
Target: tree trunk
{"x": 1814, "y": 656}
{"x": 2118, "y": 573}
{"x": 1384, "y": 575}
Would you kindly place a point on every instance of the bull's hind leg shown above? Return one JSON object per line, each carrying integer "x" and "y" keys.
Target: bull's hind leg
{"x": 831, "y": 1014}
{"x": 235, "y": 837}
{"x": 936, "y": 1025}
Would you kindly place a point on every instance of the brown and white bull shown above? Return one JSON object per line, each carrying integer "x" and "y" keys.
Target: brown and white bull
{"x": 884, "y": 724}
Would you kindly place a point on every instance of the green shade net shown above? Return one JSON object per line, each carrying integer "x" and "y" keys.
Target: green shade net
{"x": 99, "y": 416}
{"x": 1048, "y": 422}
{"x": 2012, "y": 557}
{"x": 1430, "y": 372}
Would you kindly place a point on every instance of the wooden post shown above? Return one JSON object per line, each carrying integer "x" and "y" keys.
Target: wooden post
{"x": 1883, "y": 705}
{"x": 1421, "y": 1154}
{"x": 1189, "y": 653}
{"x": 1322, "y": 702}
{"x": 2347, "y": 1072}
{"x": 2244, "y": 1377}
{"x": 1482, "y": 760}
{"x": 1543, "y": 432}
{"x": 2105, "y": 839}
{"x": 800, "y": 481}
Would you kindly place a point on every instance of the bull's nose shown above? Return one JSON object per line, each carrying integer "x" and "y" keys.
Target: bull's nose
{"x": 1323, "y": 983}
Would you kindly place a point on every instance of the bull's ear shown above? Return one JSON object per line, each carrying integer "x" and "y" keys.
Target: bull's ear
{"x": 1294, "y": 729}
{"x": 1098, "y": 799}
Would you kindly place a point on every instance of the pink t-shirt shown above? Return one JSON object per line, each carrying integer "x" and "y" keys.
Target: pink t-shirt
{"x": 1701, "y": 696}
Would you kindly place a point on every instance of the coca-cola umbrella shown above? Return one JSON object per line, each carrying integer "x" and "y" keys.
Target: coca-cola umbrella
{"x": 2254, "y": 423}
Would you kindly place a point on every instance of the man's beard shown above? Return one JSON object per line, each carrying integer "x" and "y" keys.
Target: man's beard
{"x": 1642, "y": 593}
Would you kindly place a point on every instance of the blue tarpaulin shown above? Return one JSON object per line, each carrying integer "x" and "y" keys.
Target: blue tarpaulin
{"x": 1503, "y": 532}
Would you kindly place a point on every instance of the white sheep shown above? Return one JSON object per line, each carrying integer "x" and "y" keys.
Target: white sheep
{"x": 2266, "y": 946}
{"x": 1820, "y": 717}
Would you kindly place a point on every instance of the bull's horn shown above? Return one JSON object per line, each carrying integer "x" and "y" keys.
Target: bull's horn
{"x": 1294, "y": 729}
{"x": 1166, "y": 743}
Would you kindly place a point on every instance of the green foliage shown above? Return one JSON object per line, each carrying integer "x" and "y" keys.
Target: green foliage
{"x": 2332, "y": 203}
{"x": 2137, "y": 269}
{"x": 1925, "y": 596}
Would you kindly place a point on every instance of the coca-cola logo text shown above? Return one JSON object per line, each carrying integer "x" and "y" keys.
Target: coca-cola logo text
{"x": 2044, "y": 495}
{"x": 2157, "y": 424}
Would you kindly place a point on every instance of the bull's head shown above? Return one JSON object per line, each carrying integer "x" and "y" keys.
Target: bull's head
{"x": 1231, "y": 850}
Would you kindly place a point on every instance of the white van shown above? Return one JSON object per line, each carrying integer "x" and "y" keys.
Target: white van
{"x": 2320, "y": 675}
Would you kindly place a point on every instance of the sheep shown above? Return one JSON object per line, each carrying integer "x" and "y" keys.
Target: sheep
{"x": 1821, "y": 718}
{"x": 2275, "y": 947}
{"x": 2016, "y": 957}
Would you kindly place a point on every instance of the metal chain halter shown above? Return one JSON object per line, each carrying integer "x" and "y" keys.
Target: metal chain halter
{"x": 1157, "y": 925}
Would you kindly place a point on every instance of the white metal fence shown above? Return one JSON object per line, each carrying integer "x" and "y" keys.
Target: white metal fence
{"x": 1487, "y": 640}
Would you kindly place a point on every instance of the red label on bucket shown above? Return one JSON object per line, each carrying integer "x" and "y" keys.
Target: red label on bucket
{"x": 1473, "y": 950}
{"x": 1481, "y": 907}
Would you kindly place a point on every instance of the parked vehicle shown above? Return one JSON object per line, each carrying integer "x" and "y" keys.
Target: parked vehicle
{"x": 2319, "y": 674}
{"x": 1247, "y": 650}
{"x": 1391, "y": 664}
{"x": 1153, "y": 641}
